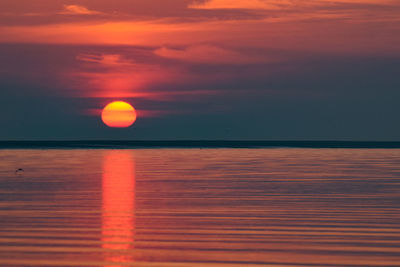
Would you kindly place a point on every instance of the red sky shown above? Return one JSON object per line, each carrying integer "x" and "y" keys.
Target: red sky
{"x": 196, "y": 59}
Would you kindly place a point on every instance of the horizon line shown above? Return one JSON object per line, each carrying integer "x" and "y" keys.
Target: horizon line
{"x": 126, "y": 144}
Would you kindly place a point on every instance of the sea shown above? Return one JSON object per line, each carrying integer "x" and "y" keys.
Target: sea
{"x": 222, "y": 207}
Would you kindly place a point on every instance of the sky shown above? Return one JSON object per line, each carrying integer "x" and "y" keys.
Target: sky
{"x": 201, "y": 69}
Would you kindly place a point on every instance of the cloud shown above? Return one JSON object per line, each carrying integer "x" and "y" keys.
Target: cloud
{"x": 242, "y": 4}
{"x": 107, "y": 60}
{"x": 338, "y": 28}
{"x": 147, "y": 32}
{"x": 278, "y": 4}
{"x": 207, "y": 54}
{"x": 115, "y": 75}
{"x": 78, "y": 10}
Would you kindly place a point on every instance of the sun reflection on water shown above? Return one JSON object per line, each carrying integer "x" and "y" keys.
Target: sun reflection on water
{"x": 118, "y": 222}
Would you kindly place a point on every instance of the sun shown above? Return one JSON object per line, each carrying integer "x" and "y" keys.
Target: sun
{"x": 118, "y": 114}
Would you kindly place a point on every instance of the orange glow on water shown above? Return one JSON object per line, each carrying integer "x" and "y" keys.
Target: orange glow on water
{"x": 118, "y": 222}
{"x": 118, "y": 114}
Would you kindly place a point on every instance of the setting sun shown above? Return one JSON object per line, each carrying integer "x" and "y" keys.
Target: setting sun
{"x": 118, "y": 114}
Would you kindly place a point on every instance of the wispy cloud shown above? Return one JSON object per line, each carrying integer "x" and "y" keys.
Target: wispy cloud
{"x": 106, "y": 60}
{"x": 78, "y": 10}
{"x": 279, "y": 4}
{"x": 241, "y": 4}
{"x": 208, "y": 54}
{"x": 113, "y": 75}
{"x": 331, "y": 33}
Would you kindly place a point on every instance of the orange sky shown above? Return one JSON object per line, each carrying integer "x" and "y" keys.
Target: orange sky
{"x": 341, "y": 25}
{"x": 208, "y": 32}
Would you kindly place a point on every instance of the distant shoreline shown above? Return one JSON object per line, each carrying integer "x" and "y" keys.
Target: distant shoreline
{"x": 194, "y": 144}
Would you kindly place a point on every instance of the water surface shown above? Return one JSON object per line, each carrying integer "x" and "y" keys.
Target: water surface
{"x": 191, "y": 207}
